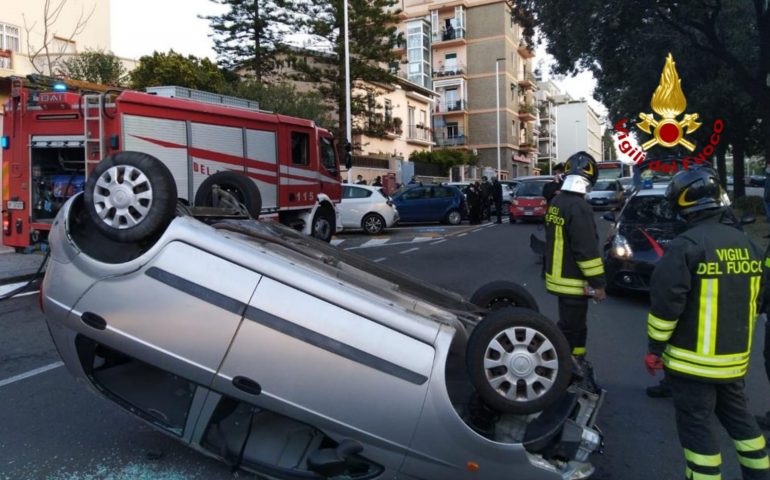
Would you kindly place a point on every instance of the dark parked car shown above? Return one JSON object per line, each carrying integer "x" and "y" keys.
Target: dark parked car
{"x": 638, "y": 239}
{"x": 430, "y": 203}
{"x": 756, "y": 181}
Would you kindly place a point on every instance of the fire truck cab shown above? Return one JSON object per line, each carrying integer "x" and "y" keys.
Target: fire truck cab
{"x": 53, "y": 139}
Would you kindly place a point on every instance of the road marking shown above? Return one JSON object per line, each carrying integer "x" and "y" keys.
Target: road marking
{"x": 375, "y": 242}
{"x": 422, "y": 239}
{"x": 337, "y": 241}
{"x": 378, "y": 260}
{"x": 477, "y": 230}
{"x": 31, "y": 373}
{"x": 440, "y": 241}
{"x": 463, "y": 234}
{"x": 10, "y": 287}
{"x": 410, "y": 250}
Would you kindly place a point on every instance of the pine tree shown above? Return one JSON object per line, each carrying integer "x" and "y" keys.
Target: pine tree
{"x": 372, "y": 41}
{"x": 249, "y": 36}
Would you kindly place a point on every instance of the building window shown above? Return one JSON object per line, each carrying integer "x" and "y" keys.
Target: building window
{"x": 452, "y": 130}
{"x": 9, "y": 38}
{"x": 388, "y": 110}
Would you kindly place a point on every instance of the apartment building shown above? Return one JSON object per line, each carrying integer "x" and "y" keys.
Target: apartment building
{"x": 549, "y": 96}
{"x": 579, "y": 128}
{"x": 455, "y": 47}
{"x": 80, "y": 25}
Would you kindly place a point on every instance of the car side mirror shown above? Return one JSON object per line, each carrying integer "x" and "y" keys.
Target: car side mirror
{"x": 609, "y": 216}
{"x": 747, "y": 220}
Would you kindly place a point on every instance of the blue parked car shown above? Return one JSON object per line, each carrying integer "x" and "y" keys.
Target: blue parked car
{"x": 430, "y": 203}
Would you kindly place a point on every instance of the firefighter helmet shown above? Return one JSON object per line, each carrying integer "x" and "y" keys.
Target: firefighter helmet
{"x": 694, "y": 190}
{"x": 582, "y": 164}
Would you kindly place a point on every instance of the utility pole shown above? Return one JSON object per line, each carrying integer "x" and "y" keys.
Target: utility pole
{"x": 497, "y": 97}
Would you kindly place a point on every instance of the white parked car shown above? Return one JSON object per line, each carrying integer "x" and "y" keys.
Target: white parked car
{"x": 368, "y": 208}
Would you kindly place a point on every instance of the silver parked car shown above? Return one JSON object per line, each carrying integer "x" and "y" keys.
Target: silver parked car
{"x": 281, "y": 355}
{"x": 606, "y": 194}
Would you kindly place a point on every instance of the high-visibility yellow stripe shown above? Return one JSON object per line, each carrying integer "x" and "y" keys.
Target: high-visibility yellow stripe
{"x": 594, "y": 262}
{"x": 659, "y": 323}
{"x": 703, "y": 460}
{"x": 656, "y": 334}
{"x": 556, "y": 288}
{"x": 707, "y": 315}
{"x": 762, "y": 463}
{"x": 705, "y": 476}
{"x": 750, "y": 445}
{"x": 594, "y": 271}
{"x": 567, "y": 282}
{"x": 767, "y": 262}
{"x": 705, "y": 372}
{"x": 708, "y": 360}
{"x": 579, "y": 351}
{"x": 755, "y": 287}
{"x": 558, "y": 251}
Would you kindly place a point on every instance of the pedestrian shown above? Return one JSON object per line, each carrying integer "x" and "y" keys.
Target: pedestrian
{"x": 360, "y": 180}
{"x": 573, "y": 266}
{"x": 497, "y": 197}
{"x": 413, "y": 181}
{"x": 474, "y": 204}
{"x": 704, "y": 293}
{"x": 377, "y": 181}
{"x": 767, "y": 192}
{"x": 485, "y": 190}
{"x": 552, "y": 188}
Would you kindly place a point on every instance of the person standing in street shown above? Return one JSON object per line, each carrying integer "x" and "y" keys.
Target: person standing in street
{"x": 485, "y": 192}
{"x": 704, "y": 296}
{"x": 497, "y": 197}
{"x": 573, "y": 267}
{"x": 377, "y": 181}
{"x": 551, "y": 188}
{"x": 474, "y": 204}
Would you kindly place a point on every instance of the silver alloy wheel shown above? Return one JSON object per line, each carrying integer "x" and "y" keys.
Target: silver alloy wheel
{"x": 521, "y": 364}
{"x": 122, "y": 196}
{"x": 454, "y": 217}
{"x": 373, "y": 224}
{"x": 322, "y": 228}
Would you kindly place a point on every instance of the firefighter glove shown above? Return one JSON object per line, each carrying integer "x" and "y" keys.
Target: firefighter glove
{"x": 653, "y": 363}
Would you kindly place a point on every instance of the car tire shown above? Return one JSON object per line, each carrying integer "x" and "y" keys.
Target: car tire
{"x": 454, "y": 217}
{"x": 130, "y": 196}
{"x": 240, "y": 186}
{"x": 323, "y": 224}
{"x": 501, "y": 294}
{"x": 373, "y": 223}
{"x": 518, "y": 361}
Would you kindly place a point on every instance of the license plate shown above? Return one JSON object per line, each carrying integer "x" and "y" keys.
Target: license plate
{"x": 528, "y": 213}
{"x": 15, "y": 205}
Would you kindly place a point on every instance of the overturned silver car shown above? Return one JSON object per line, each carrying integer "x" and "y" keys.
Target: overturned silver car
{"x": 281, "y": 355}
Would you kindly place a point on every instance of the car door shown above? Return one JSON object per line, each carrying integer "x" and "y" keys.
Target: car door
{"x": 412, "y": 204}
{"x": 441, "y": 200}
{"x": 355, "y": 203}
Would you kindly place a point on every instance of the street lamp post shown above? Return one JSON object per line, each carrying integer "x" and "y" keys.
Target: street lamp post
{"x": 497, "y": 100}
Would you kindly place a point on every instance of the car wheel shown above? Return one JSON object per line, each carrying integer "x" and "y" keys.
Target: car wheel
{"x": 373, "y": 223}
{"x": 454, "y": 217}
{"x": 130, "y": 196}
{"x": 240, "y": 186}
{"x": 323, "y": 224}
{"x": 518, "y": 361}
{"x": 501, "y": 294}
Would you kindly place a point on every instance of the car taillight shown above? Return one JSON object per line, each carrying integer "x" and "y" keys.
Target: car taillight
{"x": 7, "y": 223}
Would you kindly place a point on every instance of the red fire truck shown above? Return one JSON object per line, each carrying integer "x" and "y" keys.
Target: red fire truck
{"x": 53, "y": 138}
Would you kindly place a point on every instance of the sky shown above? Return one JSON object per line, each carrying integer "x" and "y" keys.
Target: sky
{"x": 141, "y": 26}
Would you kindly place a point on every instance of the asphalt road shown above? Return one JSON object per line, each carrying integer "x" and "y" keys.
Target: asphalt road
{"x": 54, "y": 429}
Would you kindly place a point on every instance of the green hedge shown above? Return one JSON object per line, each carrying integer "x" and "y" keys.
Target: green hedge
{"x": 750, "y": 205}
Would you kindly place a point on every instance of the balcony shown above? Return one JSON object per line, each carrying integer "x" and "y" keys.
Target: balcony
{"x": 449, "y": 137}
{"x": 528, "y": 81}
{"x": 527, "y": 142}
{"x": 525, "y": 50}
{"x": 383, "y": 127}
{"x": 6, "y": 59}
{"x": 448, "y": 107}
{"x": 419, "y": 134}
{"x": 546, "y": 114}
{"x": 449, "y": 38}
{"x": 449, "y": 70}
{"x": 527, "y": 112}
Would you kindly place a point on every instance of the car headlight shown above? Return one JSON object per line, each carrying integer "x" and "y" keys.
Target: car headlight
{"x": 621, "y": 248}
{"x": 543, "y": 203}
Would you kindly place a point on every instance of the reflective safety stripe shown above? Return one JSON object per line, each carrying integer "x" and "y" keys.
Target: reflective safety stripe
{"x": 750, "y": 445}
{"x": 707, "y": 317}
{"x": 594, "y": 262}
{"x": 703, "y": 460}
{"x": 755, "y": 463}
{"x": 703, "y": 371}
{"x": 579, "y": 351}
{"x": 594, "y": 271}
{"x": 558, "y": 251}
{"x": 659, "y": 323}
{"x": 755, "y": 286}
{"x": 567, "y": 282}
{"x": 707, "y": 360}
{"x": 704, "y": 476}
{"x": 556, "y": 288}
{"x": 660, "y": 336}
{"x": 767, "y": 262}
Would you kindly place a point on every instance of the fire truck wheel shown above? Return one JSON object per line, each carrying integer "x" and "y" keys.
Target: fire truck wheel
{"x": 323, "y": 224}
{"x": 501, "y": 294}
{"x": 518, "y": 360}
{"x": 130, "y": 196}
{"x": 240, "y": 186}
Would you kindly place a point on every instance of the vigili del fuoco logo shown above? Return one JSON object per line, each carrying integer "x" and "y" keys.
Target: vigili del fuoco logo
{"x": 667, "y": 130}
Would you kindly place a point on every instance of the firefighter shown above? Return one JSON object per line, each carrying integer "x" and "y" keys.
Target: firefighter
{"x": 573, "y": 267}
{"x": 704, "y": 293}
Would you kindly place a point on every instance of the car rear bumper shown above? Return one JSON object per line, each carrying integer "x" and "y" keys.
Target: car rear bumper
{"x": 631, "y": 275}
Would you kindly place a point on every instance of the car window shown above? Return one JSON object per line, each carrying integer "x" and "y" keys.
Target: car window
{"x": 530, "y": 189}
{"x": 648, "y": 210}
{"x": 606, "y": 186}
{"x": 355, "y": 192}
{"x": 415, "y": 194}
{"x": 442, "y": 192}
